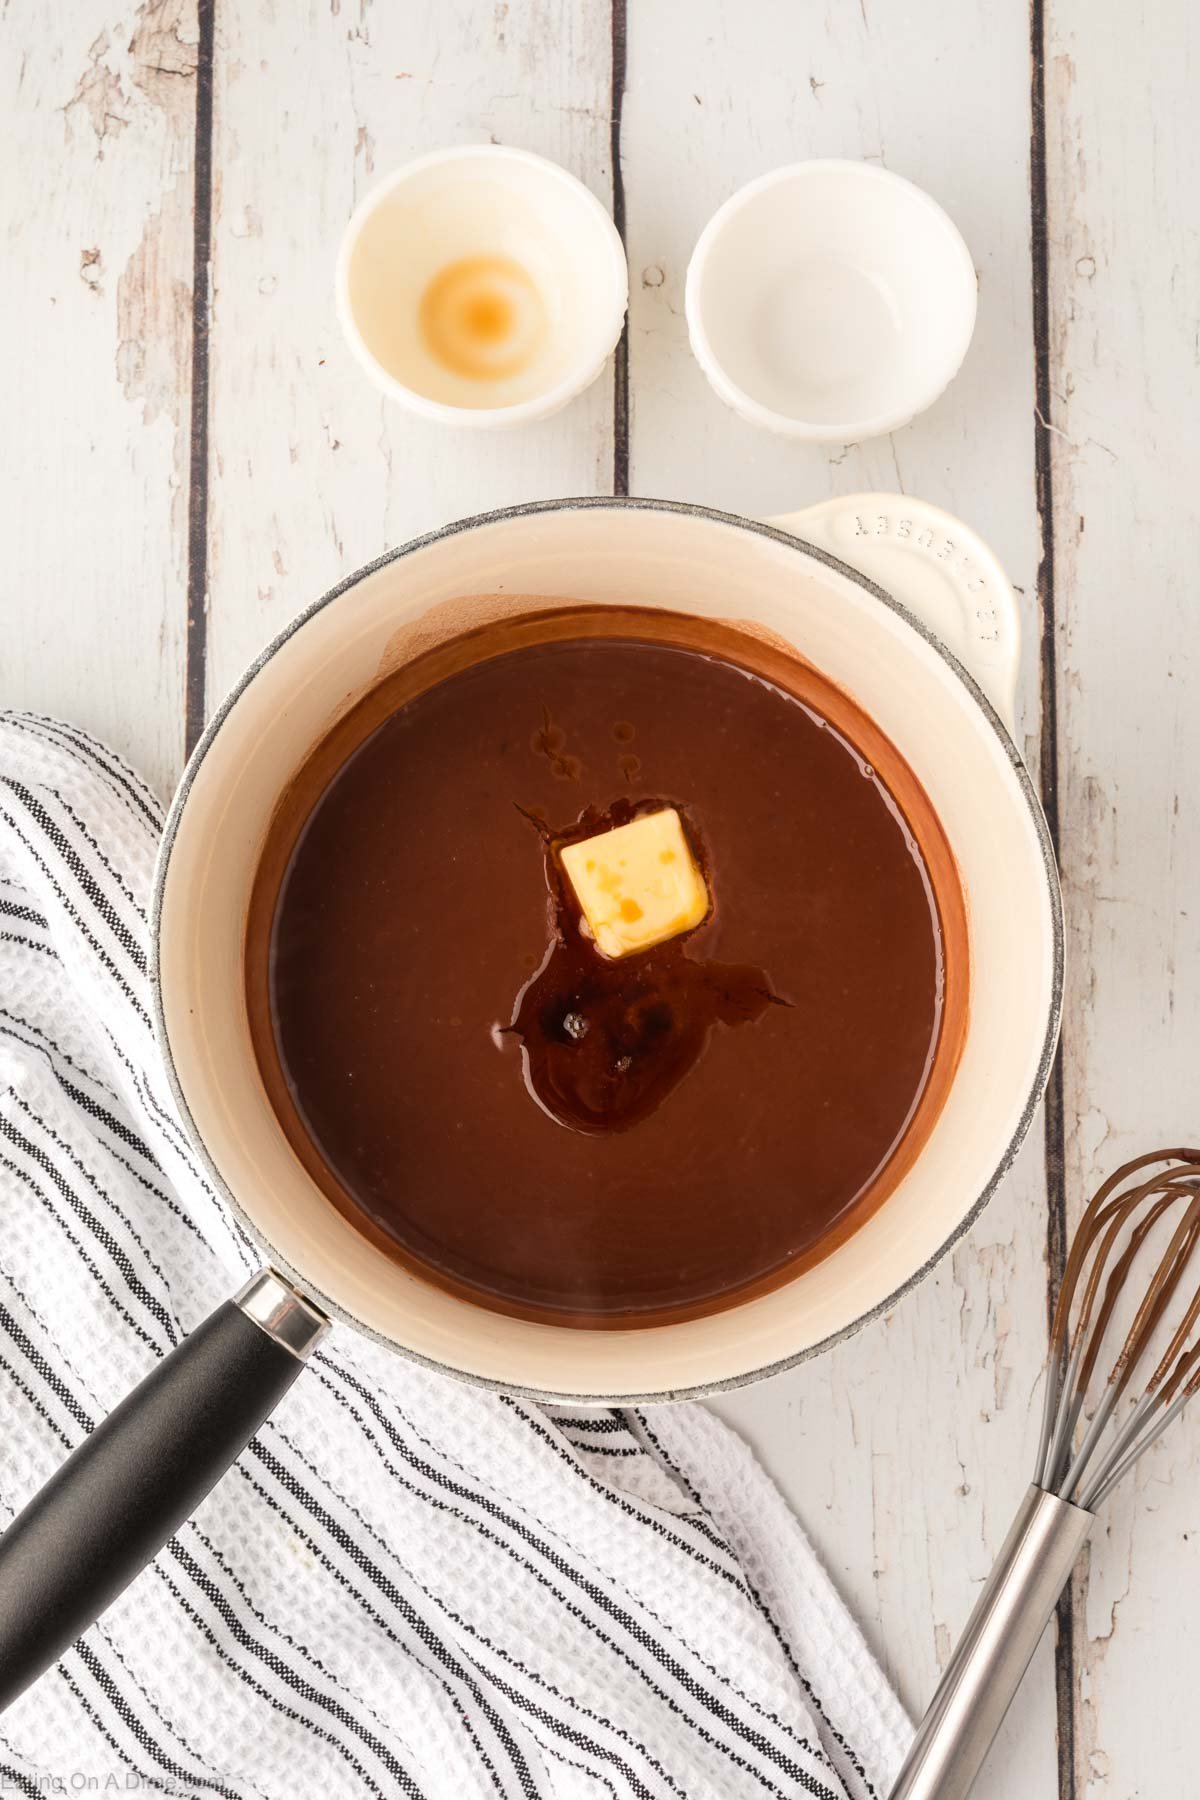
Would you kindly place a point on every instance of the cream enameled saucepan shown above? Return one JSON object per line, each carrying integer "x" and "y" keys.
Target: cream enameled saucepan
{"x": 892, "y": 600}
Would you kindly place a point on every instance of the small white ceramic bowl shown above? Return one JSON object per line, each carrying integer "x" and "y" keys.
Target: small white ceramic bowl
{"x": 523, "y": 269}
{"x": 831, "y": 301}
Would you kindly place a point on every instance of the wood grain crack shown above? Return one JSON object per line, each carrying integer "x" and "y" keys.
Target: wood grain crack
{"x": 195, "y": 684}
{"x": 620, "y": 463}
{"x": 1056, "y": 1201}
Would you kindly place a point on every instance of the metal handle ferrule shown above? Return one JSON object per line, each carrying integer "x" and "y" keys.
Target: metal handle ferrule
{"x": 283, "y": 1312}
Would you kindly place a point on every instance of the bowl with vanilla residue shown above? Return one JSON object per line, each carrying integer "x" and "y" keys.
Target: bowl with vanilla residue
{"x": 481, "y": 286}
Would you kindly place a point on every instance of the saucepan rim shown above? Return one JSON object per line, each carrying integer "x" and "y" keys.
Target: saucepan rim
{"x": 303, "y": 1280}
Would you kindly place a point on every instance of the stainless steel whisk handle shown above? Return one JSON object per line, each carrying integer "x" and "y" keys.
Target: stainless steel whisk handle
{"x": 1001, "y": 1635}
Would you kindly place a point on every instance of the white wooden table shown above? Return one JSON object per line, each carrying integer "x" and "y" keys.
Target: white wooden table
{"x": 191, "y": 457}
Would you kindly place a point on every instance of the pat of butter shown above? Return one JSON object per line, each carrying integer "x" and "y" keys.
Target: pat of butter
{"x": 637, "y": 884}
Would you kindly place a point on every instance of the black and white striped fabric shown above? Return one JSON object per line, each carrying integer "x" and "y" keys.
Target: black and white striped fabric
{"x": 405, "y": 1586}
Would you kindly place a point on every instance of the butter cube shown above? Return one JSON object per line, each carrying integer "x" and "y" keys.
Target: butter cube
{"x": 638, "y": 884}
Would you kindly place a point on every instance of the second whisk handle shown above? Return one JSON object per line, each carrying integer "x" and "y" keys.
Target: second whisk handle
{"x": 1003, "y": 1632}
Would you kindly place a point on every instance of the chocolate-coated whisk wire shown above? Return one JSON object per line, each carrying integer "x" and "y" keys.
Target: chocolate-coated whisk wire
{"x": 1094, "y": 1280}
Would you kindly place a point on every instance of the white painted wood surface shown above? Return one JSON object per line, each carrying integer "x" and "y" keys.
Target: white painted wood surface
{"x": 96, "y": 210}
{"x": 905, "y": 1450}
{"x": 1124, "y": 170}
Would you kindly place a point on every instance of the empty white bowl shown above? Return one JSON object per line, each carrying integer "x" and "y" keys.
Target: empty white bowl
{"x": 830, "y": 300}
{"x": 481, "y": 286}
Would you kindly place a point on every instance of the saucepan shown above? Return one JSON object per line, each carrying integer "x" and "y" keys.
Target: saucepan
{"x": 898, "y": 604}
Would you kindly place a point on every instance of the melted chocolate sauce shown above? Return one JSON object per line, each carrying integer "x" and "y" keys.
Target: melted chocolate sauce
{"x": 556, "y": 1135}
{"x": 605, "y": 1042}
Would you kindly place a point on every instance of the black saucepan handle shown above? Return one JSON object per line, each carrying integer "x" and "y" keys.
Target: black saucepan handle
{"x": 118, "y": 1497}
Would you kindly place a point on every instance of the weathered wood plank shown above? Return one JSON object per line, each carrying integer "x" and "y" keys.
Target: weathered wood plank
{"x": 314, "y": 473}
{"x": 906, "y": 1449}
{"x": 1123, "y": 167}
{"x": 96, "y": 195}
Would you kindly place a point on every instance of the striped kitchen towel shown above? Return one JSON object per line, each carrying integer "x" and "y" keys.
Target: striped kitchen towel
{"x": 405, "y": 1586}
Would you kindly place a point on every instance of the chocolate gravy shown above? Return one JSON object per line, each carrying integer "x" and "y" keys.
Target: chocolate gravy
{"x": 541, "y": 1130}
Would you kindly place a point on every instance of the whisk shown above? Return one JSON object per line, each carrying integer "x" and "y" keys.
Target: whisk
{"x": 1129, "y": 1211}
